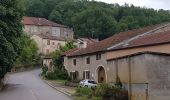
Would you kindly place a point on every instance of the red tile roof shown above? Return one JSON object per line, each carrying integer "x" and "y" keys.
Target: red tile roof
{"x": 149, "y": 39}
{"x": 115, "y": 39}
{"x": 69, "y": 52}
{"x": 40, "y": 22}
{"x": 89, "y": 40}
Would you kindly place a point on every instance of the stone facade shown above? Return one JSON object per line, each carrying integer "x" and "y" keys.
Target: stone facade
{"x": 54, "y": 31}
{"x": 46, "y": 46}
{"x": 144, "y": 69}
{"x": 82, "y": 66}
{"x": 33, "y": 25}
{"x": 145, "y": 76}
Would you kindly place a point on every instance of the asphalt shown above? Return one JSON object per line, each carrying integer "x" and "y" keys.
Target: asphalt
{"x": 29, "y": 86}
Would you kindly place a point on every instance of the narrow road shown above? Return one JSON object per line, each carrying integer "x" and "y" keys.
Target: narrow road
{"x": 28, "y": 86}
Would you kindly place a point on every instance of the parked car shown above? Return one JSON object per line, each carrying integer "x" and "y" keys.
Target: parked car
{"x": 87, "y": 83}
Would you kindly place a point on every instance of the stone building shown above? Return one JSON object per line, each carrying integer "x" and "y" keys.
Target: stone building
{"x": 34, "y": 25}
{"x": 48, "y": 44}
{"x": 47, "y": 34}
{"x": 140, "y": 58}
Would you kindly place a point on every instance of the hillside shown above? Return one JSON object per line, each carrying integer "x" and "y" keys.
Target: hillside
{"x": 95, "y": 19}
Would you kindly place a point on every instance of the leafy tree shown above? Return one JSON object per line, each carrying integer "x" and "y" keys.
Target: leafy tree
{"x": 89, "y": 24}
{"x": 94, "y": 19}
{"x": 28, "y": 53}
{"x": 10, "y": 31}
{"x": 59, "y": 71}
{"x": 57, "y": 55}
{"x": 35, "y": 8}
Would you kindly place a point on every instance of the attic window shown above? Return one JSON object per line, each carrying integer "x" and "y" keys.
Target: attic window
{"x": 74, "y": 62}
{"x": 98, "y": 56}
{"x": 88, "y": 60}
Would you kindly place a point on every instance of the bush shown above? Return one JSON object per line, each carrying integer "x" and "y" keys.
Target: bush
{"x": 57, "y": 74}
{"x": 102, "y": 92}
{"x": 108, "y": 92}
{"x": 44, "y": 70}
{"x": 84, "y": 90}
{"x": 99, "y": 91}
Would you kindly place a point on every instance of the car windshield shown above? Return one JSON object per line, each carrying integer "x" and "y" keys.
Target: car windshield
{"x": 93, "y": 82}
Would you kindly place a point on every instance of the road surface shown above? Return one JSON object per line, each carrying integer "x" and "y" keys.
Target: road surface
{"x": 28, "y": 86}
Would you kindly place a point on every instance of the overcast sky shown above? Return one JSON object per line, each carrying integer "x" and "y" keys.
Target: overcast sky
{"x": 156, "y": 4}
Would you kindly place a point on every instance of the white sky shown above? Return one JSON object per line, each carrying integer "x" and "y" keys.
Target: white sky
{"x": 156, "y": 4}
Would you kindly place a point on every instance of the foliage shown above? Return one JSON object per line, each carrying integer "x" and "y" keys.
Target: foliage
{"x": 28, "y": 53}
{"x": 10, "y": 30}
{"x": 102, "y": 92}
{"x": 118, "y": 83}
{"x": 94, "y": 19}
{"x": 57, "y": 74}
{"x": 59, "y": 70}
{"x": 44, "y": 70}
{"x": 83, "y": 91}
{"x": 57, "y": 55}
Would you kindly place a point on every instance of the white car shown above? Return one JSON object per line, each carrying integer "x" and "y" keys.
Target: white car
{"x": 87, "y": 83}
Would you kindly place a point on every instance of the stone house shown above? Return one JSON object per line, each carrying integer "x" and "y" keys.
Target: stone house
{"x": 48, "y": 44}
{"x": 140, "y": 58}
{"x": 34, "y": 25}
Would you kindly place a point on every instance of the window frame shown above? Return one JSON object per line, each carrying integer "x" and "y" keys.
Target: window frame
{"x": 87, "y": 60}
{"x": 74, "y": 62}
{"x": 98, "y": 56}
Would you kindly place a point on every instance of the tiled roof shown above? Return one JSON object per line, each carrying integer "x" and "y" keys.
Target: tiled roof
{"x": 149, "y": 39}
{"x": 48, "y": 36}
{"x": 115, "y": 39}
{"x": 39, "y": 22}
{"x": 89, "y": 40}
{"x": 69, "y": 52}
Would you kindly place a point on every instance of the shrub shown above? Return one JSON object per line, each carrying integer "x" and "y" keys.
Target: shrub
{"x": 118, "y": 83}
{"x": 44, "y": 70}
{"x": 99, "y": 91}
{"x": 50, "y": 76}
{"x": 84, "y": 90}
{"x": 108, "y": 92}
{"x": 60, "y": 74}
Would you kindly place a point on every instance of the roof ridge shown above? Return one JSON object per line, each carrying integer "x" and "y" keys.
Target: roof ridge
{"x": 126, "y": 42}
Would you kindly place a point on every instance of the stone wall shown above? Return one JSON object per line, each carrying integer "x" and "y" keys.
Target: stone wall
{"x": 145, "y": 76}
{"x": 158, "y": 73}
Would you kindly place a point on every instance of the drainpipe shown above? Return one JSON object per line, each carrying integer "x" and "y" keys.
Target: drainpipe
{"x": 130, "y": 79}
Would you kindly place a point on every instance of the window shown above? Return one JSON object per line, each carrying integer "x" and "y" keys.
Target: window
{"x": 86, "y": 74}
{"x": 47, "y": 51}
{"x": 88, "y": 60}
{"x": 58, "y": 45}
{"x": 74, "y": 62}
{"x": 53, "y": 43}
{"x": 48, "y": 42}
{"x": 98, "y": 56}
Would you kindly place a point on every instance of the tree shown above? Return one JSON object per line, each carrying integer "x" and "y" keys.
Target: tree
{"x": 35, "y": 8}
{"x": 57, "y": 55}
{"x": 88, "y": 23}
{"x": 10, "y": 30}
{"x": 93, "y": 19}
{"x": 28, "y": 53}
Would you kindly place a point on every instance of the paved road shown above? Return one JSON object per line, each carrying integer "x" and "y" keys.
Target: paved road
{"x": 28, "y": 86}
